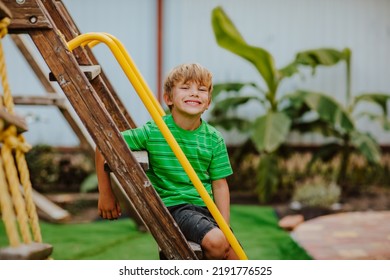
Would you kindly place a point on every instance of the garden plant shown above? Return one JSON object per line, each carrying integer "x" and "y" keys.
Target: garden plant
{"x": 302, "y": 110}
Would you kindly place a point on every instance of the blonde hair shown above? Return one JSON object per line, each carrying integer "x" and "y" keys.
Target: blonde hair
{"x": 189, "y": 72}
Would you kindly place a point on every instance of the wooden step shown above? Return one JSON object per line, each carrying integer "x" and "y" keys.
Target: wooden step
{"x": 48, "y": 210}
{"x": 90, "y": 71}
{"x": 194, "y": 246}
{"x": 32, "y": 251}
{"x": 12, "y": 119}
{"x": 141, "y": 156}
{"x": 44, "y": 100}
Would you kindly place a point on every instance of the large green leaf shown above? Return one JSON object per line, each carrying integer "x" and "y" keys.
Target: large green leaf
{"x": 221, "y": 107}
{"x": 228, "y": 87}
{"x": 270, "y": 131}
{"x": 228, "y": 37}
{"x": 293, "y": 105}
{"x": 230, "y": 123}
{"x": 316, "y": 126}
{"x": 366, "y": 146}
{"x": 322, "y": 56}
{"x": 328, "y": 109}
{"x": 314, "y": 58}
{"x": 382, "y": 119}
{"x": 379, "y": 99}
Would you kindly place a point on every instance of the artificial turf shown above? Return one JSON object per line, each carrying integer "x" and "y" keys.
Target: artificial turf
{"x": 256, "y": 228}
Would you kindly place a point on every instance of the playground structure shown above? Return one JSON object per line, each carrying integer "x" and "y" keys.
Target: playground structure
{"x": 16, "y": 198}
{"x": 73, "y": 65}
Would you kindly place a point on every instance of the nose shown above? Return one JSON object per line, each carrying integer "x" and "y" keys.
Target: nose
{"x": 194, "y": 91}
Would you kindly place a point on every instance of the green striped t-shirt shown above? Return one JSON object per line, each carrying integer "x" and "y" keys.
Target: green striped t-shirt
{"x": 204, "y": 147}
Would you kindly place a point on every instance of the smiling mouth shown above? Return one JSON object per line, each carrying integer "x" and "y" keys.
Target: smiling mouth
{"x": 192, "y": 102}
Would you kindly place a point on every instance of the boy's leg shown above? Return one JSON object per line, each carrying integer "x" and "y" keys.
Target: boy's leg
{"x": 215, "y": 246}
{"x": 198, "y": 226}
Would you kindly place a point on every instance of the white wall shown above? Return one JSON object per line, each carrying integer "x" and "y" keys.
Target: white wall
{"x": 283, "y": 27}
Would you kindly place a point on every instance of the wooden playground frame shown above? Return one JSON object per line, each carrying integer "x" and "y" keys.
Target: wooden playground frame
{"x": 50, "y": 26}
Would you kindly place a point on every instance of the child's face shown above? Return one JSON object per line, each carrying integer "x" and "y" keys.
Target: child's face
{"x": 189, "y": 98}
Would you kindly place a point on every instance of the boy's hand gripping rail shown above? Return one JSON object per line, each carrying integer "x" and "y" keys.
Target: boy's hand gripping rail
{"x": 156, "y": 112}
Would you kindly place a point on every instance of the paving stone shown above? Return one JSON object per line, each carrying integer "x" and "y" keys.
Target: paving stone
{"x": 290, "y": 222}
{"x": 350, "y": 235}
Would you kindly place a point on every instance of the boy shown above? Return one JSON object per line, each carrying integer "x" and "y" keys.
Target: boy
{"x": 187, "y": 93}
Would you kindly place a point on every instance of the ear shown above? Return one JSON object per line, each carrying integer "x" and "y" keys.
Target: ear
{"x": 167, "y": 99}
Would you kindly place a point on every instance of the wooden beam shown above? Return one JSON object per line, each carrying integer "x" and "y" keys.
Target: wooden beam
{"x": 4, "y": 11}
{"x": 41, "y": 100}
{"x": 26, "y": 15}
{"x": 60, "y": 103}
{"x": 85, "y": 142}
{"x": 12, "y": 119}
{"x": 26, "y": 51}
{"x": 49, "y": 210}
{"x": 21, "y": 43}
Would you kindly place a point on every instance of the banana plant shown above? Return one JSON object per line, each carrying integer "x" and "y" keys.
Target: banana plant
{"x": 343, "y": 136}
{"x": 346, "y": 137}
{"x": 282, "y": 114}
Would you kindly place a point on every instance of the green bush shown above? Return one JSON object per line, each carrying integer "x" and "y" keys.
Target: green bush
{"x": 316, "y": 192}
{"x": 53, "y": 170}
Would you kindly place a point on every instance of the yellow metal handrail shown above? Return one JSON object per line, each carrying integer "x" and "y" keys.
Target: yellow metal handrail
{"x": 156, "y": 112}
{"x": 131, "y": 63}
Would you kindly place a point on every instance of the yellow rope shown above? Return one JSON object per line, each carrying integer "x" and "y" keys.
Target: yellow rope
{"x": 7, "y": 210}
{"x": 3, "y": 31}
{"x": 17, "y": 198}
{"x": 26, "y": 213}
{"x": 27, "y": 188}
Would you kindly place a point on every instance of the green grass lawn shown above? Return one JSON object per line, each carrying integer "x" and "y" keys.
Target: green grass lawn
{"x": 255, "y": 227}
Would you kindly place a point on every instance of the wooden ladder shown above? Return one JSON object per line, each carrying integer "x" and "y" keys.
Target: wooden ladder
{"x": 52, "y": 98}
{"x": 49, "y": 25}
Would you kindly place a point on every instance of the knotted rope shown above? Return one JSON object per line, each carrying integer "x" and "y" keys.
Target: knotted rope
{"x": 14, "y": 170}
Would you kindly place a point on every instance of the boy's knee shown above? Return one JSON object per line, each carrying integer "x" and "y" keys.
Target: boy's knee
{"x": 214, "y": 245}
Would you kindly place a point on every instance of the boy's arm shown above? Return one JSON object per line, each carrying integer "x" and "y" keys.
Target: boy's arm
{"x": 222, "y": 198}
{"x": 108, "y": 205}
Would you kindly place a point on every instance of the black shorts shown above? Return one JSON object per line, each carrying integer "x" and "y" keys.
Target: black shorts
{"x": 194, "y": 221}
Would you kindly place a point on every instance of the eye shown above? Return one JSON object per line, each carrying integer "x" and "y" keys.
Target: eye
{"x": 184, "y": 87}
{"x": 202, "y": 89}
